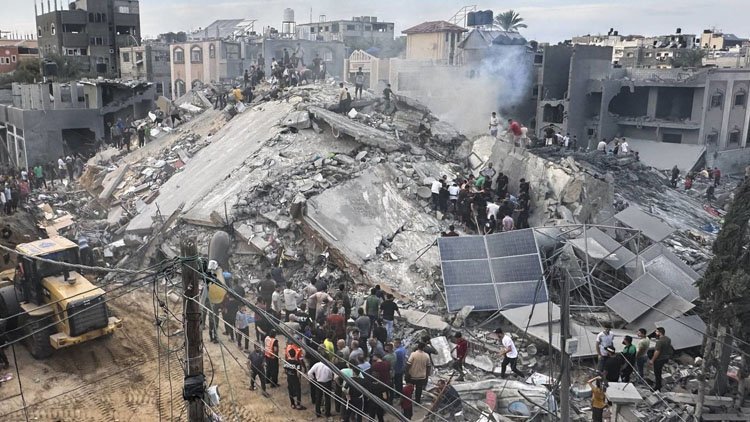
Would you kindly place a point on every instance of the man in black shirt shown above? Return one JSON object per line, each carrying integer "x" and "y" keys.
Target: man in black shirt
{"x": 379, "y": 332}
{"x": 613, "y": 365}
{"x": 389, "y": 308}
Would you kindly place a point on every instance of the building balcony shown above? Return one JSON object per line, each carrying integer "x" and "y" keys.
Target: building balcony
{"x": 660, "y": 123}
{"x": 127, "y": 19}
{"x": 73, "y": 17}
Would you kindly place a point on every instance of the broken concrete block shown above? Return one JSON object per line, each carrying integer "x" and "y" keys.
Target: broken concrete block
{"x": 481, "y": 362}
{"x": 361, "y": 156}
{"x": 298, "y": 120}
{"x": 443, "y": 347}
{"x": 581, "y": 391}
{"x": 344, "y": 159}
{"x": 111, "y": 181}
{"x": 132, "y": 240}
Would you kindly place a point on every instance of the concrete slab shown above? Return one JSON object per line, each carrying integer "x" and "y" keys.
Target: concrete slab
{"x": 297, "y": 119}
{"x": 360, "y": 132}
{"x": 623, "y": 393}
{"x": 424, "y": 320}
{"x": 197, "y": 184}
{"x": 443, "y": 347}
{"x": 111, "y": 181}
{"x": 357, "y": 215}
{"x": 663, "y": 156}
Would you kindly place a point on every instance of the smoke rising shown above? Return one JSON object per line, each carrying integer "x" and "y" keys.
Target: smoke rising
{"x": 465, "y": 96}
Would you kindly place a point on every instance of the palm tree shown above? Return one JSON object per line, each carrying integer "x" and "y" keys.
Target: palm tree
{"x": 509, "y": 21}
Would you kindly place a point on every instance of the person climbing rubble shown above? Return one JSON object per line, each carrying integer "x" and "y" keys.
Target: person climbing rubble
{"x": 494, "y": 124}
{"x": 509, "y": 354}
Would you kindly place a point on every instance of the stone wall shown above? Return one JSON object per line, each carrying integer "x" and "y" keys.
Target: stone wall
{"x": 558, "y": 191}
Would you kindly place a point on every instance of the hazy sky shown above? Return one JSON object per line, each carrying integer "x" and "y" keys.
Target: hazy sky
{"x": 548, "y": 20}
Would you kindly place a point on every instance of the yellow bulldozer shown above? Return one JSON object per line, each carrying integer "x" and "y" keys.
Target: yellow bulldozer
{"x": 50, "y": 305}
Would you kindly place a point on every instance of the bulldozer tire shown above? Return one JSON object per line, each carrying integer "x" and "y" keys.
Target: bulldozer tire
{"x": 38, "y": 340}
{"x": 10, "y": 310}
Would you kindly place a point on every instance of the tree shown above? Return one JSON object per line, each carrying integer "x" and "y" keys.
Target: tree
{"x": 509, "y": 21}
{"x": 689, "y": 58}
{"x": 725, "y": 291}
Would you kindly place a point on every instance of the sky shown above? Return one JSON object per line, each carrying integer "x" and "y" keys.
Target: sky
{"x": 548, "y": 20}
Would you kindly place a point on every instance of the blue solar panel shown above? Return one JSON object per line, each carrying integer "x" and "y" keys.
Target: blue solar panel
{"x": 466, "y": 272}
{"x": 517, "y": 242}
{"x": 462, "y": 247}
{"x": 516, "y": 268}
{"x": 519, "y": 294}
{"x": 482, "y": 297}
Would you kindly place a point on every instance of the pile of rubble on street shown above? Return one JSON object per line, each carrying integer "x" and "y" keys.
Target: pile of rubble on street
{"x": 346, "y": 198}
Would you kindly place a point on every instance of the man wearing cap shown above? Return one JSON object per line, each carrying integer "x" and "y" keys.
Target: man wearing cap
{"x": 662, "y": 353}
{"x": 462, "y": 349}
{"x": 510, "y": 355}
{"x": 603, "y": 340}
{"x": 612, "y": 366}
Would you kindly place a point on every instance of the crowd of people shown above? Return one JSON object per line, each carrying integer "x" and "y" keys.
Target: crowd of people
{"x": 360, "y": 341}
{"x": 16, "y": 185}
{"x": 483, "y": 204}
{"x": 628, "y": 364}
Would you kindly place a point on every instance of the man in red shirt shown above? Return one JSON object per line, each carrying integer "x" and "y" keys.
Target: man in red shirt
{"x": 406, "y": 401}
{"x": 337, "y": 323}
{"x": 462, "y": 349}
{"x": 514, "y": 130}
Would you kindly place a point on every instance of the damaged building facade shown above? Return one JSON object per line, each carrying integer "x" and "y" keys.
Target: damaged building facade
{"x": 149, "y": 62}
{"x": 665, "y": 114}
{"x": 47, "y": 120}
{"x": 202, "y": 62}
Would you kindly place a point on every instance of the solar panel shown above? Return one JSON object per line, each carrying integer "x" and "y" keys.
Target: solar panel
{"x": 466, "y": 272}
{"x": 638, "y": 298}
{"x": 462, "y": 247}
{"x": 482, "y": 297}
{"x": 517, "y": 294}
{"x": 601, "y": 246}
{"x": 650, "y": 226}
{"x": 517, "y": 242}
{"x": 494, "y": 272}
{"x": 673, "y": 277}
{"x": 516, "y": 268}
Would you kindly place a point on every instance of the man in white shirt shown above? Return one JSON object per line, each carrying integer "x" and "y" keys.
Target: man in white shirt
{"x": 624, "y": 147}
{"x": 492, "y": 209}
{"x": 566, "y": 141}
{"x": 453, "y": 191}
{"x": 510, "y": 354}
{"x": 508, "y": 224}
{"x": 321, "y": 381}
{"x": 291, "y": 301}
{"x": 435, "y": 189}
{"x": 277, "y": 302}
{"x": 494, "y": 124}
{"x": 603, "y": 340}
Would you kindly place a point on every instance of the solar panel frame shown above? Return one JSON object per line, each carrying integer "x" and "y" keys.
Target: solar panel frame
{"x": 638, "y": 297}
{"x": 520, "y": 294}
{"x": 651, "y": 227}
{"x": 512, "y": 269}
{"x": 461, "y": 248}
{"x": 516, "y": 242}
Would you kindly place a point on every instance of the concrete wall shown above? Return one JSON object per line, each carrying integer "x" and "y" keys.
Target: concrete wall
{"x": 432, "y": 46}
{"x": 588, "y": 63}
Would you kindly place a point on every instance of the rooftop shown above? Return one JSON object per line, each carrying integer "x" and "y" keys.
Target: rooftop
{"x": 434, "y": 26}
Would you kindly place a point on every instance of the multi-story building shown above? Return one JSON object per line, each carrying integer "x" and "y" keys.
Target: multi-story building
{"x": 354, "y": 33}
{"x": 612, "y": 39}
{"x": 46, "y": 120}
{"x": 149, "y": 62}
{"x": 712, "y": 40}
{"x": 677, "y": 115}
{"x": 89, "y": 32}
{"x": 436, "y": 41}
{"x": 202, "y": 62}
{"x": 13, "y": 52}
{"x": 657, "y": 52}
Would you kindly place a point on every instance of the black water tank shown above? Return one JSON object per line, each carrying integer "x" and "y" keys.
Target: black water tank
{"x": 471, "y": 19}
{"x": 49, "y": 68}
{"x": 101, "y": 68}
{"x": 489, "y": 16}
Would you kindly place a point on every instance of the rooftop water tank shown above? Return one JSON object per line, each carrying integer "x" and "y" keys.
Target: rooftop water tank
{"x": 288, "y": 15}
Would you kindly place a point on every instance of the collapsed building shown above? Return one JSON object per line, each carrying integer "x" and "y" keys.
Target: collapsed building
{"x": 47, "y": 120}
{"x": 346, "y": 198}
{"x": 683, "y": 117}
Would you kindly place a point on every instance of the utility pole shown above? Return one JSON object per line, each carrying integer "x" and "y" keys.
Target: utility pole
{"x": 192, "y": 327}
{"x": 564, "y": 335}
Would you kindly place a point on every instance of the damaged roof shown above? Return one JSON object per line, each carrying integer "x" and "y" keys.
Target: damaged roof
{"x": 434, "y": 26}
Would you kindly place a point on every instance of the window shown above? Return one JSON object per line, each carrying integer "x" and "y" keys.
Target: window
{"x": 734, "y": 137}
{"x": 649, "y": 54}
{"x": 312, "y": 30}
{"x": 126, "y": 57}
{"x": 350, "y": 27}
{"x": 671, "y": 138}
{"x": 123, "y": 9}
{"x": 38, "y": 31}
{"x": 53, "y": 30}
{"x": 630, "y": 54}
{"x": 91, "y": 17}
{"x": 98, "y": 17}
{"x": 717, "y": 99}
{"x": 179, "y": 55}
{"x": 739, "y": 98}
{"x": 212, "y": 51}
{"x": 196, "y": 55}
{"x": 138, "y": 57}
{"x": 13, "y": 58}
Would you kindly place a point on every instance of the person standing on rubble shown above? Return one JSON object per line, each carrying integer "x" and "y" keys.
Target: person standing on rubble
{"x": 717, "y": 176}
{"x": 291, "y": 301}
{"x": 602, "y": 146}
{"x": 372, "y": 306}
{"x": 141, "y": 132}
{"x": 359, "y": 83}
{"x": 462, "y": 350}
{"x": 598, "y": 399}
{"x": 514, "y": 131}
{"x": 628, "y": 352}
{"x": 494, "y": 124}
{"x": 489, "y": 174}
{"x": 641, "y": 353}
{"x": 435, "y": 190}
{"x": 418, "y": 368}
{"x": 389, "y": 309}
{"x": 662, "y": 353}
{"x": 675, "y": 176}
{"x": 510, "y": 354}
{"x": 344, "y": 99}
{"x": 604, "y": 340}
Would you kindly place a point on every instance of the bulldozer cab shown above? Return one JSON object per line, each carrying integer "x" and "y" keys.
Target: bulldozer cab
{"x": 31, "y": 271}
